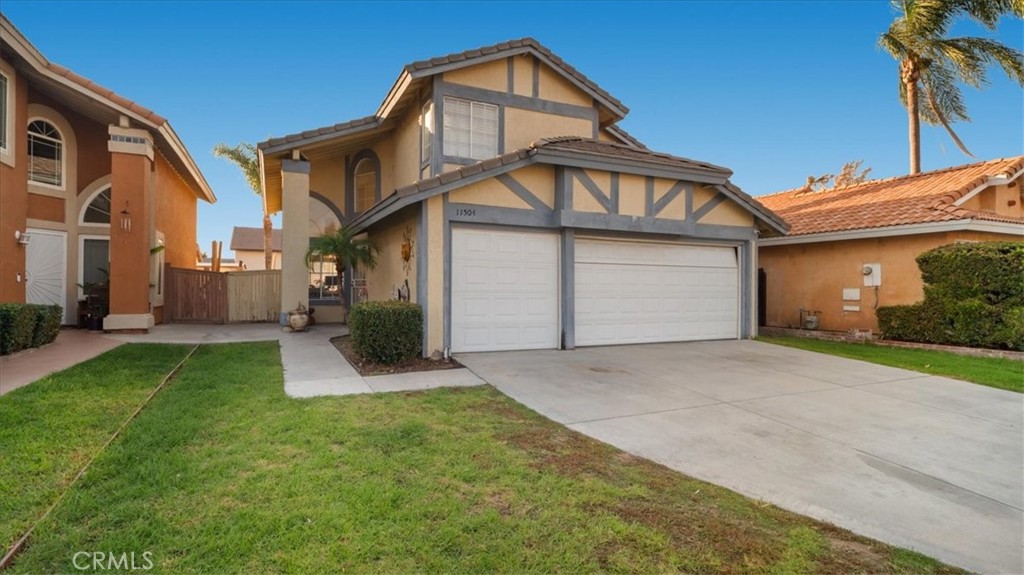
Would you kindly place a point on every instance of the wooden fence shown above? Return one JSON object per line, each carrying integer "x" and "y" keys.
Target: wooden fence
{"x": 215, "y": 297}
{"x": 254, "y": 296}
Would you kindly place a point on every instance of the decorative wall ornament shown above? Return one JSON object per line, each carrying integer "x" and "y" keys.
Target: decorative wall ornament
{"x": 407, "y": 245}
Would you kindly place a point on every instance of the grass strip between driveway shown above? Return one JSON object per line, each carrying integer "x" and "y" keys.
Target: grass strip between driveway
{"x": 997, "y": 372}
{"x": 223, "y": 473}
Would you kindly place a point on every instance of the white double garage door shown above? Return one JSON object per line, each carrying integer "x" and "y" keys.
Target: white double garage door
{"x": 505, "y": 291}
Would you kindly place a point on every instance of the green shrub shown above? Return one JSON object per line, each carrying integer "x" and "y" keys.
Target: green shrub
{"x": 973, "y": 296}
{"x": 17, "y": 327}
{"x": 386, "y": 331}
{"x": 992, "y": 272}
{"x": 48, "y": 318}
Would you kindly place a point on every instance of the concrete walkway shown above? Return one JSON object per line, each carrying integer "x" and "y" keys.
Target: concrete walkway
{"x": 923, "y": 462}
{"x": 72, "y": 347}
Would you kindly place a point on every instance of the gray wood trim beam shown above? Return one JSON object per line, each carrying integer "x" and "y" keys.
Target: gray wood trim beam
{"x": 633, "y": 224}
{"x": 563, "y": 188}
{"x": 670, "y": 195}
{"x": 625, "y": 165}
{"x": 437, "y": 140}
{"x": 689, "y": 203}
{"x": 458, "y": 160}
{"x": 614, "y": 193}
{"x": 524, "y": 194}
{"x": 536, "y": 77}
{"x": 594, "y": 190}
{"x": 421, "y": 273}
{"x": 494, "y": 215}
{"x": 513, "y": 100}
{"x": 510, "y": 62}
{"x": 568, "y": 288}
{"x": 649, "y": 196}
{"x": 708, "y": 206}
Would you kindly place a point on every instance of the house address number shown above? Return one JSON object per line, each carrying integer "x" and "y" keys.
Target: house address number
{"x": 465, "y": 212}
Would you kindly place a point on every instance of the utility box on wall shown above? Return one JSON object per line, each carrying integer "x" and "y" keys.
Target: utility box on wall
{"x": 872, "y": 275}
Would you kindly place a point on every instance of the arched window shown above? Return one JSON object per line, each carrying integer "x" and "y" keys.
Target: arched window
{"x": 45, "y": 154}
{"x": 365, "y": 184}
{"x": 324, "y": 278}
{"x": 98, "y": 209}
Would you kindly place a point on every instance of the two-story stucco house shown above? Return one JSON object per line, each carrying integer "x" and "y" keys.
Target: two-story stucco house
{"x": 91, "y": 184}
{"x": 530, "y": 220}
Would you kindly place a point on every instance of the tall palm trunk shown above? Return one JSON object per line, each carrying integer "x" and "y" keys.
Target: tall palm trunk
{"x": 910, "y": 75}
{"x": 268, "y": 249}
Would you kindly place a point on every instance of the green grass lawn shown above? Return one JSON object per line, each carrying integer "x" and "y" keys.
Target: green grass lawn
{"x": 223, "y": 473}
{"x": 991, "y": 371}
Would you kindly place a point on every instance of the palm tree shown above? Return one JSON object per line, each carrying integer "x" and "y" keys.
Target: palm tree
{"x": 932, "y": 65}
{"x": 344, "y": 248}
{"x": 244, "y": 156}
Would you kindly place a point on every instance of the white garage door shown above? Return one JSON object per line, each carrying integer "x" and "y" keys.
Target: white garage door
{"x": 635, "y": 292}
{"x": 504, "y": 290}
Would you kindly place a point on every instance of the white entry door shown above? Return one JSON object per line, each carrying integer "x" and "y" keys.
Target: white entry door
{"x": 46, "y": 269}
{"x": 640, "y": 292}
{"x": 504, "y": 290}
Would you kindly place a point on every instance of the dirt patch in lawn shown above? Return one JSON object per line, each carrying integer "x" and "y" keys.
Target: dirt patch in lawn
{"x": 367, "y": 367}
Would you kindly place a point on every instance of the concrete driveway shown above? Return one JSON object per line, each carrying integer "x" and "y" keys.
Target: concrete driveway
{"x": 923, "y": 462}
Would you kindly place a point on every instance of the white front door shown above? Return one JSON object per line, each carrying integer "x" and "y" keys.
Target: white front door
{"x": 46, "y": 269}
{"x": 504, "y": 290}
{"x": 645, "y": 292}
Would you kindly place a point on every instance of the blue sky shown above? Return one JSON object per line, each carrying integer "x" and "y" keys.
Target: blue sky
{"x": 774, "y": 90}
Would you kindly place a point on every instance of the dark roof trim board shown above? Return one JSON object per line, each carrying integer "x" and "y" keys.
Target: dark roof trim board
{"x": 625, "y": 136}
{"x": 539, "y": 153}
{"x": 285, "y": 143}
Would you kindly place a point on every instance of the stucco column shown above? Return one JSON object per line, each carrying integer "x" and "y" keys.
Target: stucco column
{"x": 295, "y": 235}
{"x": 131, "y": 190}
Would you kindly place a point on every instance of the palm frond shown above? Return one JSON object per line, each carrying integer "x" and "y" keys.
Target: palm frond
{"x": 244, "y": 156}
{"x": 941, "y": 95}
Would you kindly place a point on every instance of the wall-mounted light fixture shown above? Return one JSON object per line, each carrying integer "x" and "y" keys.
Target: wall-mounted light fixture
{"x": 22, "y": 238}
{"x": 126, "y": 218}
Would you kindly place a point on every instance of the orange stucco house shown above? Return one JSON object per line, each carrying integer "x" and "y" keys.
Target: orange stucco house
{"x": 89, "y": 181}
{"x": 852, "y": 249}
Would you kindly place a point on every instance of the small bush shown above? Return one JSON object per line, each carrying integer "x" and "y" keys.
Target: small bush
{"x": 386, "y": 331}
{"x": 48, "y": 319}
{"x": 17, "y": 327}
{"x": 988, "y": 271}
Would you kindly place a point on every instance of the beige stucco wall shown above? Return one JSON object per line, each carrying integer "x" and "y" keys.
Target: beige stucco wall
{"x": 728, "y": 213}
{"x": 632, "y": 195}
{"x": 813, "y": 276}
{"x": 489, "y": 192}
{"x": 489, "y": 75}
{"x": 523, "y": 127}
{"x": 406, "y": 138}
{"x": 390, "y": 271}
{"x": 1003, "y": 200}
{"x": 327, "y": 178}
{"x": 523, "y": 80}
{"x": 556, "y": 88}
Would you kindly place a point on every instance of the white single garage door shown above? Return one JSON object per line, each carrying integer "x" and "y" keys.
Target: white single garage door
{"x": 46, "y": 270}
{"x": 504, "y": 290}
{"x": 639, "y": 292}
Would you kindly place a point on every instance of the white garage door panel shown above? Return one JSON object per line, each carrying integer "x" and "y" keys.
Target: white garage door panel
{"x": 504, "y": 290}
{"x": 632, "y": 292}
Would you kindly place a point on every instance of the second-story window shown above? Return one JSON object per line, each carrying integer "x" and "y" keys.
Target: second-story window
{"x": 45, "y": 154}
{"x": 3, "y": 112}
{"x": 365, "y": 184}
{"x": 470, "y": 129}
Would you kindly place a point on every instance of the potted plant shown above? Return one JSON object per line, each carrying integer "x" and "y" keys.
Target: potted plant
{"x": 97, "y": 301}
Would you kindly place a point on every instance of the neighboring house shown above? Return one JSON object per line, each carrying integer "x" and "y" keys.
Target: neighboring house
{"x": 885, "y": 225}
{"x": 88, "y": 181}
{"x": 247, "y": 243}
{"x": 529, "y": 218}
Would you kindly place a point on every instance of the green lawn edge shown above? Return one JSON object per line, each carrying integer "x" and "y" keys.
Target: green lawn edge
{"x": 1000, "y": 373}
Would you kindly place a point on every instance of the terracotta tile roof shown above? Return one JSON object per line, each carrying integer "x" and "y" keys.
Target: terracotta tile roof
{"x": 106, "y": 93}
{"x": 517, "y": 45}
{"x": 251, "y": 239}
{"x": 914, "y": 199}
{"x": 366, "y": 122}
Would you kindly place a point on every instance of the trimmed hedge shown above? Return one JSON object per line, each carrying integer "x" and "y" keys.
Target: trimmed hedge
{"x": 386, "y": 331}
{"x": 48, "y": 318}
{"x": 973, "y": 296}
{"x": 25, "y": 325}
